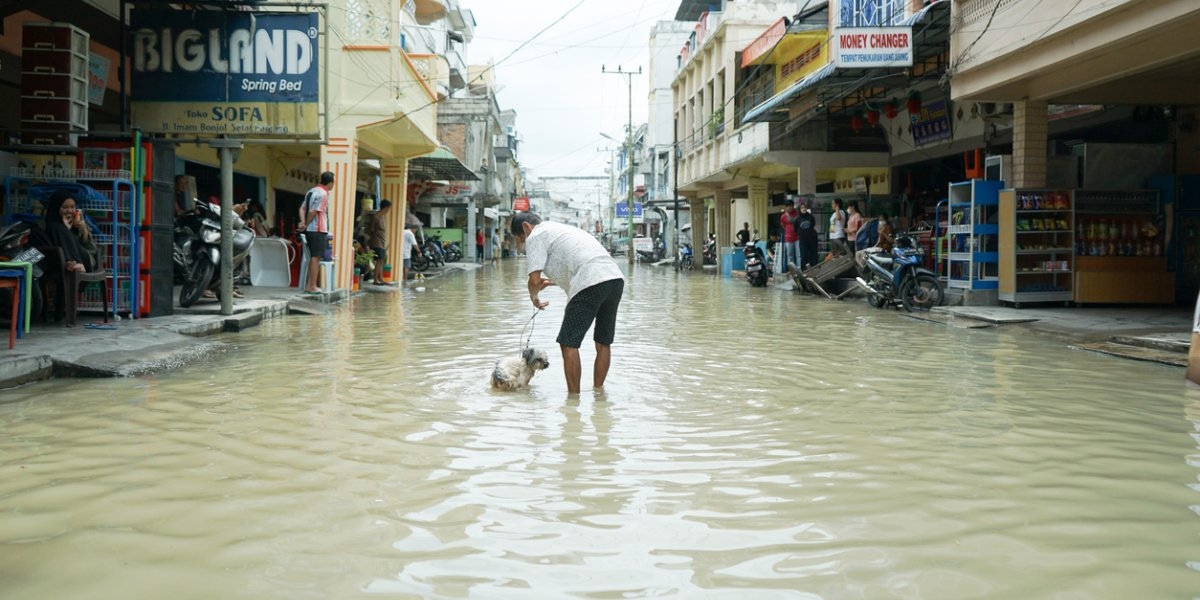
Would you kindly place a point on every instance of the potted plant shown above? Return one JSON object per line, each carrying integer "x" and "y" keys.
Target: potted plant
{"x": 363, "y": 260}
{"x": 716, "y": 123}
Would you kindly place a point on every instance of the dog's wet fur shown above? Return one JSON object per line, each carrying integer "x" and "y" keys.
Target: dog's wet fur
{"x": 514, "y": 372}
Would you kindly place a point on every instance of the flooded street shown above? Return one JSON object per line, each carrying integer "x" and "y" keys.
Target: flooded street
{"x": 751, "y": 443}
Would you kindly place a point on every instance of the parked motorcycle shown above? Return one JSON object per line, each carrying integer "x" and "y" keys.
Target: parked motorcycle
{"x": 452, "y": 251}
{"x": 756, "y": 264}
{"x": 709, "y": 252}
{"x": 899, "y": 278}
{"x": 433, "y": 251}
{"x": 686, "y": 260}
{"x": 656, "y": 253}
{"x": 15, "y": 245}
{"x": 419, "y": 259}
{"x": 197, "y": 250}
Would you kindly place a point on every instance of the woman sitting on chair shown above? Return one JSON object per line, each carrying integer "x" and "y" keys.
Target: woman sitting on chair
{"x": 66, "y": 229}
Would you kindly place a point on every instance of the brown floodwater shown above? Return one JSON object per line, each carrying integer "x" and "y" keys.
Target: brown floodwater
{"x": 751, "y": 443}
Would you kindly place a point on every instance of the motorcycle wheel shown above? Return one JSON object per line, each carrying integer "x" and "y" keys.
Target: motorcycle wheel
{"x": 419, "y": 264}
{"x": 922, "y": 292}
{"x": 875, "y": 300}
{"x": 687, "y": 263}
{"x": 202, "y": 273}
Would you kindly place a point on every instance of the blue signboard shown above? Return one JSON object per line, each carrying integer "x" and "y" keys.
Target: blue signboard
{"x": 623, "y": 210}
{"x": 225, "y": 73}
{"x": 931, "y": 124}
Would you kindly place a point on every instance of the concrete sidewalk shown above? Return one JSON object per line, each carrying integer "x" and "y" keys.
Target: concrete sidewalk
{"x": 1156, "y": 334}
{"x": 1160, "y": 334}
{"x": 137, "y": 347}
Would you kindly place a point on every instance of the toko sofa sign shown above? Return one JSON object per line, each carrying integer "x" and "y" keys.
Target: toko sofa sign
{"x": 211, "y": 73}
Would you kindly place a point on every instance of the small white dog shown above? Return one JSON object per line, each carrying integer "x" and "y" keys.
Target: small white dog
{"x": 514, "y": 372}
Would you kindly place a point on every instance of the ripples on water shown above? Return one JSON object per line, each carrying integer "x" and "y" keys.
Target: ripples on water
{"x": 750, "y": 444}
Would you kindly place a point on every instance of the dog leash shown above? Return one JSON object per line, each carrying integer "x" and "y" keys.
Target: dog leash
{"x": 529, "y": 325}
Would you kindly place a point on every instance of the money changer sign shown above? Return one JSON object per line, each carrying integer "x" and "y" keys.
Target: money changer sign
{"x": 210, "y": 73}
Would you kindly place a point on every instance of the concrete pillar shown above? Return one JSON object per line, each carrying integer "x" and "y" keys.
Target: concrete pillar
{"x": 722, "y": 211}
{"x": 759, "y": 203}
{"x": 806, "y": 178}
{"x": 340, "y": 156}
{"x": 699, "y": 228}
{"x": 1030, "y": 140}
{"x": 393, "y": 185}
{"x": 474, "y": 221}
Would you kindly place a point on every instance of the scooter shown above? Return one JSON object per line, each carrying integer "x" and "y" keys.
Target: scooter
{"x": 197, "y": 250}
{"x": 686, "y": 260}
{"x": 898, "y": 279}
{"x": 15, "y": 246}
{"x": 709, "y": 252}
{"x": 453, "y": 252}
{"x": 433, "y": 251}
{"x": 656, "y": 253}
{"x": 756, "y": 264}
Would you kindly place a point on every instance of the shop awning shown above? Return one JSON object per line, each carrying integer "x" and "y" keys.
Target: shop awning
{"x": 763, "y": 111}
{"x": 440, "y": 164}
{"x": 930, "y": 31}
{"x": 920, "y": 15}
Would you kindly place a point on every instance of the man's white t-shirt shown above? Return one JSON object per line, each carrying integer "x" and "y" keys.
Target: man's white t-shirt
{"x": 569, "y": 257}
{"x": 408, "y": 240}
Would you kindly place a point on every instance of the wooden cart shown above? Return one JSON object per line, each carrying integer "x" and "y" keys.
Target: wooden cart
{"x": 811, "y": 278}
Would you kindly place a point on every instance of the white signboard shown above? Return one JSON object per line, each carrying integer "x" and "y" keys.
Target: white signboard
{"x": 870, "y": 47}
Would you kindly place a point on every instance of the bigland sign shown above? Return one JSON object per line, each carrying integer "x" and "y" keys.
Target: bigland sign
{"x": 211, "y": 73}
{"x": 869, "y": 47}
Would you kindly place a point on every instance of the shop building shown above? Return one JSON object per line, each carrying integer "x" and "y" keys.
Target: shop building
{"x": 721, "y": 164}
{"x": 1131, "y": 56}
{"x": 365, "y": 110}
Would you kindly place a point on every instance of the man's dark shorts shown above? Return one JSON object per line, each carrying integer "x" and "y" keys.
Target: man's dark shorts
{"x": 380, "y": 255}
{"x": 317, "y": 243}
{"x": 596, "y": 303}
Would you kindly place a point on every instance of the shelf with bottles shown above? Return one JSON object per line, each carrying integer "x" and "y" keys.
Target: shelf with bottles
{"x": 1117, "y": 235}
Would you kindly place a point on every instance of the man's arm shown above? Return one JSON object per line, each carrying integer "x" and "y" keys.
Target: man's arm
{"x": 536, "y": 284}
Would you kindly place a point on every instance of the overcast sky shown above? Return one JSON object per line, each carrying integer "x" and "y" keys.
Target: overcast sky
{"x": 554, "y": 82}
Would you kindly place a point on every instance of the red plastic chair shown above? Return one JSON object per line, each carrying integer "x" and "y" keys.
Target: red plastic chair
{"x": 15, "y": 285}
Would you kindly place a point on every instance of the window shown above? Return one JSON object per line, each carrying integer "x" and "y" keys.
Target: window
{"x": 870, "y": 13}
{"x": 368, "y": 21}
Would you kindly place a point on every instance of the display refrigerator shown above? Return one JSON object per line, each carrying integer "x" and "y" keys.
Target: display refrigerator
{"x": 1120, "y": 254}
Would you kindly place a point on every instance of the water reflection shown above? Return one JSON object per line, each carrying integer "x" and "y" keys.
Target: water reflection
{"x": 750, "y": 443}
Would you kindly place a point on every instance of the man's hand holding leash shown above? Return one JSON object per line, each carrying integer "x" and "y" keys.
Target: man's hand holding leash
{"x": 537, "y": 283}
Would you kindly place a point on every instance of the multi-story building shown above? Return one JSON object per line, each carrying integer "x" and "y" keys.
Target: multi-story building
{"x": 719, "y": 162}
{"x": 375, "y": 76}
{"x": 666, "y": 38}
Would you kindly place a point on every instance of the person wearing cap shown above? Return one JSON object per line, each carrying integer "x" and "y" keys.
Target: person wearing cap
{"x": 791, "y": 243}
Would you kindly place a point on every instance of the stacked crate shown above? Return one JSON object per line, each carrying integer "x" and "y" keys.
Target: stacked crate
{"x": 54, "y": 84}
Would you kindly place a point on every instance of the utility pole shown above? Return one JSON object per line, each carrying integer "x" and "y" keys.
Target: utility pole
{"x": 628, "y": 148}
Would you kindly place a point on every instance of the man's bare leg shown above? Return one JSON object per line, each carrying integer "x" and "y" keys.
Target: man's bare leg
{"x": 600, "y": 369}
{"x": 571, "y": 368}
{"x": 314, "y": 273}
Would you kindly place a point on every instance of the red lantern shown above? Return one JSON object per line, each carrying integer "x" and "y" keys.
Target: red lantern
{"x": 856, "y": 123}
{"x": 914, "y": 103}
{"x": 891, "y": 108}
{"x": 873, "y": 117}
